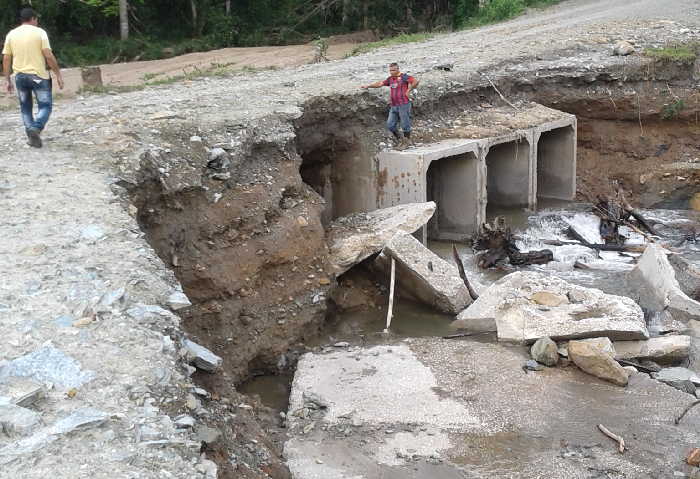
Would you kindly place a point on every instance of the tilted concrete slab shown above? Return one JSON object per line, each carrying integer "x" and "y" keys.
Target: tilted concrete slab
{"x": 430, "y": 408}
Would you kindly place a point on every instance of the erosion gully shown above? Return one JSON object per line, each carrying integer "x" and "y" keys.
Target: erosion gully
{"x": 250, "y": 279}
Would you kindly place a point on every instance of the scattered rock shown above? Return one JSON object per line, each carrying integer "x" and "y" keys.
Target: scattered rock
{"x": 47, "y": 365}
{"x": 207, "y": 434}
{"x": 545, "y": 351}
{"x": 623, "y": 48}
{"x": 21, "y": 391}
{"x": 659, "y": 288}
{"x": 532, "y": 365}
{"x": 184, "y": 421}
{"x": 590, "y": 312}
{"x": 693, "y": 457}
{"x": 677, "y": 374}
{"x": 664, "y": 349}
{"x": 423, "y": 275}
{"x": 83, "y": 418}
{"x": 604, "y": 344}
{"x": 178, "y": 300}
{"x": 546, "y": 298}
{"x": 597, "y": 362}
{"x": 356, "y": 237}
{"x": 201, "y": 357}
{"x": 16, "y": 420}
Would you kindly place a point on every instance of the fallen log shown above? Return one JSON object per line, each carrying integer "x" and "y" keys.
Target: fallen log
{"x": 603, "y": 247}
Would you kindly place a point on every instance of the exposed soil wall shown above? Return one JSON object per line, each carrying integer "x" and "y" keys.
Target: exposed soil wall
{"x": 253, "y": 258}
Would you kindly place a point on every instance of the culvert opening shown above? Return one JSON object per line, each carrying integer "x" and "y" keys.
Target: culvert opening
{"x": 507, "y": 176}
{"x": 340, "y": 171}
{"x": 556, "y": 164}
{"x": 452, "y": 183}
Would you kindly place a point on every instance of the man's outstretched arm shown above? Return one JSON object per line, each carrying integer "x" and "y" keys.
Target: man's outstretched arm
{"x": 53, "y": 65}
{"x": 377, "y": 84}
{"x": 7, "y": 71}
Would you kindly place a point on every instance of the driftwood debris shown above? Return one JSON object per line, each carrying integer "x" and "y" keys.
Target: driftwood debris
{"x": 614, "y": 437}
{"x": 614, "y": 211}
{"x": 463, "y": 274}
{"x": 498, "y": 244}
{"x": 685, "y": 411}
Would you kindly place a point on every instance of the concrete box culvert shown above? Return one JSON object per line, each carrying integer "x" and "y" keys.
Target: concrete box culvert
{"x": 448, "y": 172}
{"x": 556, "y": 160}
{"x": 508, "y": 174}
{"x": 472, "y": 179}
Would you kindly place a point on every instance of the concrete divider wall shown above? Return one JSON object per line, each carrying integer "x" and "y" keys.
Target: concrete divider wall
{"x": 465, "y": 176}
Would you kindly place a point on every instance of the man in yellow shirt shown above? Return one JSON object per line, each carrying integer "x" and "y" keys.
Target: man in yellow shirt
{"x": 26, "y": 52}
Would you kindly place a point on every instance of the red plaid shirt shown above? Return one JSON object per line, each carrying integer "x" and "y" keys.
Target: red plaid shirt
{"x": 399, "y": 88}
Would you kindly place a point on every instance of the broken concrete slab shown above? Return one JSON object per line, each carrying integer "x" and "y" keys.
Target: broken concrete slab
{"x": 423, "y": 275}
{"x": 201, "y": 357}
{"x": 358, "y": 430}
{"x": 659, "y": 288}
{"x": 21, "y": 391}
{"x": 17, "y": 421}
{"x": 677, "y": 374}
{"x": 588, "y": 312}
{"x": 597, "y": 362}
{"x": 664, "y": 349}
{"x": 47, "y": 365}
{"x": 356, "y": 237}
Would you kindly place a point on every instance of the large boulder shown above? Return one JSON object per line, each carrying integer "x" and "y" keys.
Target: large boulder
{"x": 423, "y": 275}
{"x": 515, "y": 304}
{"x": 356, "y": 237}
{"x": 659, "y": 288}
{"x": 597, "y": 362}
{"x": 664, "y": 349}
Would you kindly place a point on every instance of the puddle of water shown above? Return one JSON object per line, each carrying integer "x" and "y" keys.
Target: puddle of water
{"x": 273, "y": 390}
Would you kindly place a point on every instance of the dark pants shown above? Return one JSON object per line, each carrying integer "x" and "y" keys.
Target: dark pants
{"x": 26, "y": 86}
{"x": 402, "y": 113}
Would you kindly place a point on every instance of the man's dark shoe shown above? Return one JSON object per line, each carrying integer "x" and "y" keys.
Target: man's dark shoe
{"x": 34, "y": 138}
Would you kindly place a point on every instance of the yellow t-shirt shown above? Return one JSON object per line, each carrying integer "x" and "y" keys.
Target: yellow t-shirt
{"x": 25, "y": 43}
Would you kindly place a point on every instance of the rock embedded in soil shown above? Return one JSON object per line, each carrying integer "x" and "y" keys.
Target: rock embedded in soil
{"x": 665, "y": 349}
{"x": 597, "y": 362}
{"x": 545, "y": 351}
{"x": 21, "y": 391}
{"x": 519, "y": 319}
{"x": 623, "y": 48}
{"x": 423, "y": 275}
{"x": 356, "y": 237}
{"x": 16, "y": 420}
{"x": 201, "y": 357}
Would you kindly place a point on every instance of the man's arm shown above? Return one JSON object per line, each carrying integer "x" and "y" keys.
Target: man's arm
{"x": 412, "y": 84}
{"x": 377, "y": 84}
{"x": 7, "y": 71}
{"x": 53, "y": 65}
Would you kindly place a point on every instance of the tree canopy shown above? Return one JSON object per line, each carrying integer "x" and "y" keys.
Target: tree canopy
{"x": 89, "y": 31}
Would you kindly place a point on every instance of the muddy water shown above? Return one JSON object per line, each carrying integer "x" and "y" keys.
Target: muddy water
{"x": 605, "y": 271}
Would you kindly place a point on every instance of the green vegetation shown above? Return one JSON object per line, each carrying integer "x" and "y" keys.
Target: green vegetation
{"x": 682, "y": 53}
{"x": 498, "y": 10}
{"x": 673, "y": 110}
{"x": 397, "y": 40}
{"x": 87, "y": 32}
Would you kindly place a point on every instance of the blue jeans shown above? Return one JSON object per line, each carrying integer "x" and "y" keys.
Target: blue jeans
{"x": 26, "y": 85}
{"x": 396, "y": 113}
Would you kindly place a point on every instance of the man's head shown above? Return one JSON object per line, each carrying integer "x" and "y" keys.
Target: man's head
{"x": 394, "y": 69}
{"x": 28, "y": 15}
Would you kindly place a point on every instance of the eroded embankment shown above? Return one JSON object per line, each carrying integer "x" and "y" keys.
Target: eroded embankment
{"x": 240, "y": 222}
